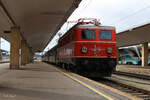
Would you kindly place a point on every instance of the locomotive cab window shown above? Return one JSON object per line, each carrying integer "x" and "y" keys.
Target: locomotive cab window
{"x": 105, "y": 35}
{"x": 88, "y": 34}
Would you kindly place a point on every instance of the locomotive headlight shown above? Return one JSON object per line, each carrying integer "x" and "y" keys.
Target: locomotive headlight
{"x": 109, "y": 50}
{"x": 84, "y": 49}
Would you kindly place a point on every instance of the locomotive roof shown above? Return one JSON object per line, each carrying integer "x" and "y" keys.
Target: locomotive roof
{"x": 93, "y": 26}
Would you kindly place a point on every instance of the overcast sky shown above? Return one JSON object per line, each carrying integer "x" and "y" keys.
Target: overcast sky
{"x": 123, "y": 14}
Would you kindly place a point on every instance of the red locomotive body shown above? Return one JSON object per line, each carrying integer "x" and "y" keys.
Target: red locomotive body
{"x": 72, "y": 44}
{"x": 88, "y": 49}
{"x": 97, "y": 47}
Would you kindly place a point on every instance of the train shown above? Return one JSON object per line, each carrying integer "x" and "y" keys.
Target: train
{"x": 132, "y": 55}
{"x": 88, "y": 48}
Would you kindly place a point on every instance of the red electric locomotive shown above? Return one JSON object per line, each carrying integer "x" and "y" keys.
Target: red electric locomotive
{"x": 88, "y": 48}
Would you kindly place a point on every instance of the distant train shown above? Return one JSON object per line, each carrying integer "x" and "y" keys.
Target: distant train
{"x": 87, "y": 48}
{"x": 132, "y": 55}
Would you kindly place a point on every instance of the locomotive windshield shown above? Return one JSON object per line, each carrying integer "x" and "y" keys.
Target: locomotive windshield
{"x": 88, "y": 34}
{"x": 105, "y": 35}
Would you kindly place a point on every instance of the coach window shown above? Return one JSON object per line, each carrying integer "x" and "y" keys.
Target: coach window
{"x": 88, "y": 35}
{"x": 105, "y": 35}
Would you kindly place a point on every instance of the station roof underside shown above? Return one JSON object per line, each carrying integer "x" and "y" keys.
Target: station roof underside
{"x": 39, "y": 20}
{"x": 135, "y": 36}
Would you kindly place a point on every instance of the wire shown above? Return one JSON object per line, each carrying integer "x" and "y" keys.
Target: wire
{"x": 87, "y": 4}
{"x": 125, "y": 17}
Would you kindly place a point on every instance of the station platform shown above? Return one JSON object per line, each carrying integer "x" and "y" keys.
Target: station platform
{"x": 134, "y": 69}
{"x": 4, "y": 61}
{"x": 41, "y": 81}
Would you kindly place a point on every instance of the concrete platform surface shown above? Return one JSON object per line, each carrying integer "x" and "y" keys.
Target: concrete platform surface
{"x": 40, "y": 81}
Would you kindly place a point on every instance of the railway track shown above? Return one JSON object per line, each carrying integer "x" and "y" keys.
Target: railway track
{"x": 139, "y": 76}
{"x": 141, "y": 93}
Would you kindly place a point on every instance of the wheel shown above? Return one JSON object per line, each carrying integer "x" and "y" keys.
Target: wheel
{"x": 74, "y": 69}
{"x": 63, "y": 65}
{"x": 69, "y": 67}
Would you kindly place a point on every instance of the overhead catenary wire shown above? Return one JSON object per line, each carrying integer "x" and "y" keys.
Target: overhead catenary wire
{"x": 68, "y": 26}
{"x": 130, "y": 15}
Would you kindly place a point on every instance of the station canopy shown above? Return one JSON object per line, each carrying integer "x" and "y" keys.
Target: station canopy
{"x": 134, "y": 36}
{"x": 39, "y": 20}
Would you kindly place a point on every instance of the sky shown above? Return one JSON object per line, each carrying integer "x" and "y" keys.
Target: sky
{"x": 5, "y": 45}
{"x": 123, "y": 14}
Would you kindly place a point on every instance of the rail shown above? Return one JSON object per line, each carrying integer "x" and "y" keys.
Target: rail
{"x": 138, "y": 92}
{"x": 140, "y": 76}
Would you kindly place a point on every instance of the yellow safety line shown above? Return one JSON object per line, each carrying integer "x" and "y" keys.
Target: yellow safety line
{"x": 86, "y": 85}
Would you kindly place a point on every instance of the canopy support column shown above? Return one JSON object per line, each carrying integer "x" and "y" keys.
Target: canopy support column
{"x": 30, "y": 54}
{"x": 117, "y": 56}
{"x": 14, "y": 49}
{"x": 144, "y": 54}
{"x": 23, "y": 52}
{"x": 0, "y": 55}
